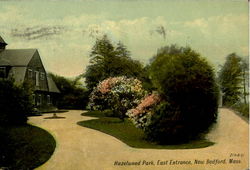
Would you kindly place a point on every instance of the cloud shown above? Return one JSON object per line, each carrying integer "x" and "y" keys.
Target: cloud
{"x": 200, "y": 22}
{"x": 69, "y": 40}
{"x": 244, "y": 50}
{"x": 69, "y": 37}
{"x": 226, "y": 24}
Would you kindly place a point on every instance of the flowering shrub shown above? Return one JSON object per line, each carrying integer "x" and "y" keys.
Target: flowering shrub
{"x": 141, "y": 115}
{"x": 118, "y": 94}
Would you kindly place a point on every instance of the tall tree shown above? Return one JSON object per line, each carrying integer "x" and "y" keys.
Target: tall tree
{"x": 107, "y": 60}
{"x": 73, "y": 95}
{"x": 245, "y": 77}
{"x": 99, "y": 57}
{"x": 121, "y": 50}
{"x": 230, "y": 78}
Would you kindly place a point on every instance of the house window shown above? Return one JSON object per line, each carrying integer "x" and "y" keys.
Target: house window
{"x": 42, "y": 76}
{"x": 30, "y": 73}
{"x": 33, "y": 98}
{"x": 48, "y": 99}
{"x": 2, "y": 72}
{"x": 39, "y": 99}
{"x": 37, "y": 78}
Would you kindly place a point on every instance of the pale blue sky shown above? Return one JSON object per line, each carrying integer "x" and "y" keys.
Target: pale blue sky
{"x": 64, "y": 31}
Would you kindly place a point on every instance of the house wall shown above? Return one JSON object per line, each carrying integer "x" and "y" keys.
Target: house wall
{"x": 35, "y": 73}
{"x": 44, "y": 101}
{"x": 36, "y": 76}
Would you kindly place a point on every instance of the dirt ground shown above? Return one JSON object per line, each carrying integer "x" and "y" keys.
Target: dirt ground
{"x": 80, "y": 148}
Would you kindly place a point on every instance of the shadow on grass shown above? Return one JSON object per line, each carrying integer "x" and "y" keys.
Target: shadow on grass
{"x": 132, "y": 136}
{"x": 97, "y": 114}
{"x": 25, "y": 147}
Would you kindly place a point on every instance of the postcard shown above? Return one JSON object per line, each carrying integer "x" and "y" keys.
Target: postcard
{"x": 124, "y": 84}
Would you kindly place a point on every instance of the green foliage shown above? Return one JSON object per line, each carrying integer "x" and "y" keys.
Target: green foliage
{"x": 106, "y": 60}
{"x": 245, "y": 77}
{"x": 242, "y": 109}
{"x": 73, "y": 95}
{"x": 15, "y": 103}
{"x": 130, "y": 135}
{"x": 231, "y": 79}
{"x": 146, "y": 80}
{"x": 25, "y": 147}
{"x": 187, "y": 83}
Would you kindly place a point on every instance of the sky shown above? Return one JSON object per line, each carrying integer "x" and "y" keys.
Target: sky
{"x": 64, "y": 31}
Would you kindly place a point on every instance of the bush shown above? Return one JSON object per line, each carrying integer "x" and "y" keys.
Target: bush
{"x": 187, "y": 83}
{"x": 117, "y": 94}
{"x": 242, "y": 108}
{"x": 141, "y": 115}
{"x": 15, "y": 103}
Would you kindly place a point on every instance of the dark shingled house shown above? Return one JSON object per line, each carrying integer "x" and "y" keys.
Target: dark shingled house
{"x": 25, "y": 65}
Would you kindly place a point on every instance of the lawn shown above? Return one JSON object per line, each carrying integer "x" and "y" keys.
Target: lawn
{"x": 129, "y": 134}
{"x": 25, "y": 147}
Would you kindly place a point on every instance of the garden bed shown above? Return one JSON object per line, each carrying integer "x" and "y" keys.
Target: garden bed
{"x": 132, "y": 136}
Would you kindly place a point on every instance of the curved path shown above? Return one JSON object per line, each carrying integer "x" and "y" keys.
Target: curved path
{"x": 80, "y": 148}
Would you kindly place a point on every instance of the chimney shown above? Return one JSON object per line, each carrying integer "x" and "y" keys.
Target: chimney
{"x": 2, "y": 44}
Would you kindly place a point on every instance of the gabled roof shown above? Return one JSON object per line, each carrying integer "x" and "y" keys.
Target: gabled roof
{"x": 52, "y": 86}
{"x": 2, "y": 41}
{"x": 16, "y": 57}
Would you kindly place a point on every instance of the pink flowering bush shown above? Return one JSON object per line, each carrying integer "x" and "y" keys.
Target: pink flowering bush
{"x": 106, "y": 85}
{"x": 118, "y": 94}
{"x": 141, "y": 115}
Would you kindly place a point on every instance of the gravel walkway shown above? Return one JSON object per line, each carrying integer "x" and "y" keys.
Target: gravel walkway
{"x": 80, "y": 148}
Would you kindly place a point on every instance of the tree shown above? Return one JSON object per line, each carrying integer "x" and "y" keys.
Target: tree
{"x": 231, "y": 78}
{"x": 73, "y": 95}
{"x": 121, "y": 50}
{"x": 189, "y": 95}
{"x": 245, "y": 77}
{"x": 106, "y": 60}
{"x": 146, "y": 79}
{"x": 100, "y": 55}
{"x": 15, "y": 103}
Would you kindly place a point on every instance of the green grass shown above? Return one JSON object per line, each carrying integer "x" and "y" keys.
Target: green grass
{"x": 25, "y": 147}
{"x": 132, "y": 136}
{"x": 95, "y": 114}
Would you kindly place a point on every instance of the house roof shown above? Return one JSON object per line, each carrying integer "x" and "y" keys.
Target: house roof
{"x": 16, "y": 57}
{"x": 19, "y": 60}
{"x": 52, "y": 86}
{"x": 2, "y": 41}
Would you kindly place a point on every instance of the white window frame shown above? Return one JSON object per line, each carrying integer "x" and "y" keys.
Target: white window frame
{"x": 37, "y": 78}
